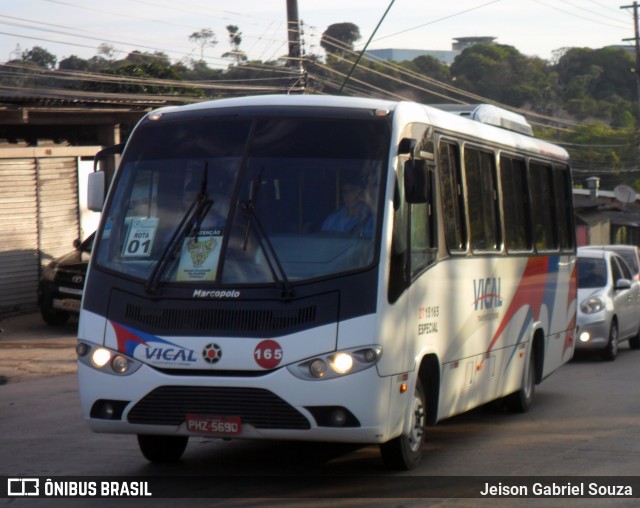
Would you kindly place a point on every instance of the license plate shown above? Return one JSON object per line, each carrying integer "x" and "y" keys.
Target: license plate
{"x": 216, "y": 425}
{"x": 67, "y": 304}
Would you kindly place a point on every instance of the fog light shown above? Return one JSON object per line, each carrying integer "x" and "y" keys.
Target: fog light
{"x": 107, "y": 411}
{"x": 317, "y": 368}
{"x": 120, "y": 364}
{"x": 584, "y": 337}
{"x": 342, "y": 363}
{"x": 338, "y": 418}
{"x": 101, "y": 357}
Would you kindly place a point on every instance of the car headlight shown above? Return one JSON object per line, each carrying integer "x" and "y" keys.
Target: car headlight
{"x": 337, "y": 364}
{"x": 106, "y": 360}
{"x": 592, "y": 305}
{"x": 49, "y": 272}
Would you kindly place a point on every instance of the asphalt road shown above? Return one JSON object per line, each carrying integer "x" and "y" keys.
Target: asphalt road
{"x": 29, "y": 348}
{"x": 584, "y": 423}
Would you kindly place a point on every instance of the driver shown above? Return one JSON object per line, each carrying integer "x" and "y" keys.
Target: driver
{"x": 354, "y": 217}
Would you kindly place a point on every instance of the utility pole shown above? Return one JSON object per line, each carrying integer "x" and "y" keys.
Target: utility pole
{"x": 295, "y": 52}
{"x": 636, "y": 71}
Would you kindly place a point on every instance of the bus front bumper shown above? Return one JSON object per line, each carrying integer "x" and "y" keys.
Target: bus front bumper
{"x": 357, "y": 408}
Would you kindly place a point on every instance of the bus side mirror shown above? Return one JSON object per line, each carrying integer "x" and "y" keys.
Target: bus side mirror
{"x": 416, "y": 181}
{"x": 95, "y": 191}
{"x": 97, "y": 180}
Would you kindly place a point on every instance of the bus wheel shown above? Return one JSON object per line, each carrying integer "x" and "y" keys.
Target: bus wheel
{"x": 520, "y": 401}
{"x": 405, "y": 451}
{"x": 162, "y": 448}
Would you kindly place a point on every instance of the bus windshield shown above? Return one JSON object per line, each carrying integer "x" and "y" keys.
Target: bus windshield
{"x": 242, "y": 200}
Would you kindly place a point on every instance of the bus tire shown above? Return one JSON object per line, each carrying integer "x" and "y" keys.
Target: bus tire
{"x": 162, "y": 448}
{"x": 405, "y": 452}
{"x": 520, "y": 401}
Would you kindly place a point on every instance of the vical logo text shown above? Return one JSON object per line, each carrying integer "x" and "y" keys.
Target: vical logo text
{"x": 487, "y": 293}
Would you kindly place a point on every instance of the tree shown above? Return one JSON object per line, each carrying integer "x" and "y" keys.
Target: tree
{"x": 74, "y": 63}
{"x": 503, "y": 74}
{"x": 597, "y": 83}
{"x": 205, "y": 38}
{"x": 235, "y": 38}
{"x": 138, "y": 57}
{"x": 106, "y": 51}
{"x": 40, "y": 57}
{"x": 339, "y": 38}
{"x": 431, "y": 68}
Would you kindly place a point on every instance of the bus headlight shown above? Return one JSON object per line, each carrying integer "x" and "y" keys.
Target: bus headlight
{"x": 341, "y": 362}
{"x": 336, "y": 364}
{"x": 100, "y": 357}
{"x": 120, "y": 364}
{"x": 318, "y": 368}
{"x": 106, "y": 360}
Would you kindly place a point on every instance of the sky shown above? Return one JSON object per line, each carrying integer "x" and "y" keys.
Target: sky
{"x": 78, "y": 27}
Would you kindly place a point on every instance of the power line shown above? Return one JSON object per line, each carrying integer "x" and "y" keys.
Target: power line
{"x": 456, "y": 14}
{"x": 140, "y": 43}
{"x": 575, "y": 15}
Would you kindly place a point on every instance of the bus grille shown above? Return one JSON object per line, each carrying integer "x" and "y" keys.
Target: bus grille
{"x": 223, "y": 318}
{"x": 169, "y": 405}
{"x": 246, "y": 320}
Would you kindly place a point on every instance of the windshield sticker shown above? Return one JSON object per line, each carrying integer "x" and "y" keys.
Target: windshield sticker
{"x": 140, "y": 237}
{"x": 199, "y": 256}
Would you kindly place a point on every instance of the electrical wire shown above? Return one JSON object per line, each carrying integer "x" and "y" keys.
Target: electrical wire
{"x": 405, "y": 77}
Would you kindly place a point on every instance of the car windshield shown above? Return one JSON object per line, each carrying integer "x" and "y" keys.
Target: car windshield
{"x": 592, "y": 273}
{"x": 238, "y": 200}
{"x": 631, "y": 259}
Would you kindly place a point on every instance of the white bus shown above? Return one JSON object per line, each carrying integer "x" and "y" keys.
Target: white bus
{"x": 324, "y": 268}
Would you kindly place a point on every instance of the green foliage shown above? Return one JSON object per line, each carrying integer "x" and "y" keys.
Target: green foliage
{"x": 40, "y": 57}
{"x": 598, "y": 148}
{"x": 74, "y": 63}
{"x": 501, "y": 73}
{"x": 595, "y": 89}
{"x": 235, "y": 39}
{"x": 339, "y": 38}
{"x": 204, "y": 38}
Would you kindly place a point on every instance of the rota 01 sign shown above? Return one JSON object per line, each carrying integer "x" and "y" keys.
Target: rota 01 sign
{"x": 268, "y": 354}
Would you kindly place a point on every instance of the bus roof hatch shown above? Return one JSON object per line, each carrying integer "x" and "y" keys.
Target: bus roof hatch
{"x": 489, "y": 114}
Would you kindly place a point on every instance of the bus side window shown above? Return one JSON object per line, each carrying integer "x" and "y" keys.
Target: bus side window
{"x": 482, "y": 197}
{"x": 423, "y": 231}
{"x": 543, "y": 208}
{"x": 398, "y": 257}
{"x": 563, "y": 197}
{"x": 515, "y": 203}
{"x": 452, "y": 197}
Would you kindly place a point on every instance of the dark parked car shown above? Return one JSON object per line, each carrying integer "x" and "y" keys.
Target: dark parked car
{"x": 62, "y": 282}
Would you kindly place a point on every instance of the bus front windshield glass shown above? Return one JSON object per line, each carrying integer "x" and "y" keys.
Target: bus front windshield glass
{"x": 237, "y": 200}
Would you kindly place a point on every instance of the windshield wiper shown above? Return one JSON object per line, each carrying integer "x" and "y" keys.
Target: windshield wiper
{"x": 275, "y": 267}
{"x": 195, "y": 213}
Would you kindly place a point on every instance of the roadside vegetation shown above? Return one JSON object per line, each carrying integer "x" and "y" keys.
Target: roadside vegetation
{"x": 584, "y": 99}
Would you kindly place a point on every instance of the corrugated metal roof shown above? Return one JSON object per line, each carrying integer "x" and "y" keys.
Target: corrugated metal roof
{"x": 31, "y": 97}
